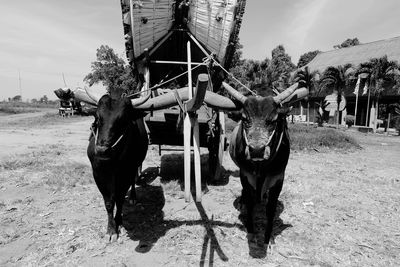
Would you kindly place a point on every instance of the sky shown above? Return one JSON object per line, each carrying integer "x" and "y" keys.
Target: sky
{"x": 42, "y": 40}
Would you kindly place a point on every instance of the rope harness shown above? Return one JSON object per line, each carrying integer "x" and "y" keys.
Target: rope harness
{"x": 207, "y": 61}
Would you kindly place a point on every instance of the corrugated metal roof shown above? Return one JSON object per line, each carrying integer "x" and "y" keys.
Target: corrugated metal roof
{"x": 357, "y": 54}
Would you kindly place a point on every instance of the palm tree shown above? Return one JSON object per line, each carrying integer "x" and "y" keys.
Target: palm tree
{"x": 381, "y": 72}
{"x": 310, "y": 80}
{"x": 337, "y": 78}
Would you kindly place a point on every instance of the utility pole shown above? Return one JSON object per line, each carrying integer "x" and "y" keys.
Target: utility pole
{"x": 19, "y": 83}
{"x": 64, "y": 80}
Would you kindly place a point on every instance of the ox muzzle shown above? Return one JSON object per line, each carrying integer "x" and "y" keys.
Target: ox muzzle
{"x": 104, "y": 150}
{"x": 258, "y": 150}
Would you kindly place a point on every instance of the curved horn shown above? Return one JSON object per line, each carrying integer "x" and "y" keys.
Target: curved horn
{"x": 282, "y": 96}
{"x": 167, "y": 100}
{"x": 297, "y": 95}
{"x": 238, "y": 96}
{"x": 136, "y": 102}
{"x": 92, "y": 96}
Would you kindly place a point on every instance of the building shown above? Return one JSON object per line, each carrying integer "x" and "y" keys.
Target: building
{"x": 356, "y": 55}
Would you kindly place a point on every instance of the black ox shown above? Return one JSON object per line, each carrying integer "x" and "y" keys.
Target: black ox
{"x": 260, "y": 147}
{"x": 117, "y": 147}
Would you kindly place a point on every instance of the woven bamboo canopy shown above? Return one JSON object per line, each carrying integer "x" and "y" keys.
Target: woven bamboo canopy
{"x": 164, "y": 26}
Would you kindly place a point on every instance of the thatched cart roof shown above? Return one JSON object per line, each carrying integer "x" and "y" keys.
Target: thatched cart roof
{"x": 357, "y": 54}
{"x": 215, "y": 24}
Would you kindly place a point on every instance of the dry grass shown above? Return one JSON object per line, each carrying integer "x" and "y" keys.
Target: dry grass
{"x": 336, "y": 209}
{"x": 51, "y": 165}
{"x": 45, "y": 119}
{"x": 23, "y": 107}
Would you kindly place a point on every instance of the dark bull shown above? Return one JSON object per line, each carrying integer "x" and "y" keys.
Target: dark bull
{"x": 260, "y": 147}
{"x": 117, "y": 147}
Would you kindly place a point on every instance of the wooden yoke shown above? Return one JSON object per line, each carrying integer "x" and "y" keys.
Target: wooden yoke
{"x": 199, "y": 94}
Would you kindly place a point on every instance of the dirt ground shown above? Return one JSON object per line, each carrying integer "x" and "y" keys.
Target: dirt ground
{"x": 336, "y": 208}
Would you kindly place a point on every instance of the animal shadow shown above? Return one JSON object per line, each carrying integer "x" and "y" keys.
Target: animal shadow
{"x": 144, "y": 220}
{"x": 257, "y": 249}
{"x": 172, "y": 168}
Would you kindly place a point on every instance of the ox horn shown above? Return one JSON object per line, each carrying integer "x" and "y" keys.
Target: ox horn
{"x": 136, "y": 102}
{"x": 234, "y": 93}
{"x": 285, "y": 94}
{"x": 92, "y": 96}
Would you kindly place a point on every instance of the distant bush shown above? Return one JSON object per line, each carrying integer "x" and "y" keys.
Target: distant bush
{"x": 16, "y": 110}
{"x": 303, "y": 138}
{"x": 349, "y": 120}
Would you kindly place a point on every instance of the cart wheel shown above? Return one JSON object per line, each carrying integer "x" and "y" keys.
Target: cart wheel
{"x": 217, "y": 147}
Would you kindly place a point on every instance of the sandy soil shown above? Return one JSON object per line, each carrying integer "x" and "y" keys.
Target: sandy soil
{"x": 336, "y": 209}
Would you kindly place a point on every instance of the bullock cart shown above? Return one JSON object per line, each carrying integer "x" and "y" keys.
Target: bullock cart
{"x": 181, "y": 51}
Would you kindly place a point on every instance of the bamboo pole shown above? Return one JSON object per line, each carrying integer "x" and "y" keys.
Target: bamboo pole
{"x": 198, "y": 44}
{"x": 175, "y": 62}
{"x": 187, "y": 128}
{"x": 197, "y": 160}
{"x": 189, "y": 67}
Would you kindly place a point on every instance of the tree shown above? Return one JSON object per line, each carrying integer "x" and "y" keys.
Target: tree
{"x": 44, "y": 99}
{"x": 112, "y": 71}
{"x": 337, "y": 78}
{"x": 237, "y": 55}
{"x": 381, "y": 73}
{"x": 280, "y": 68}
{"x": 306, "y": 58}
{"x": 17, "y": 98}
{"x": 266, "y": 74}
{"x": 347, "y": 43}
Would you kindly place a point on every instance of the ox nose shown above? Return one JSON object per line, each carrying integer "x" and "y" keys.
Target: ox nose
{"x": 102, "y": 150}
{"x": 256, "y": 151}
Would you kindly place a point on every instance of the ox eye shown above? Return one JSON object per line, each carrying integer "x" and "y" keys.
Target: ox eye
{"x": 247, "y": 123}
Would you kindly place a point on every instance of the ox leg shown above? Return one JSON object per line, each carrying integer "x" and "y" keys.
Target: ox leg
{"x": 111, "y": 234}
{"x": 118, "y": 213}
{"x": 273, "y": 196}
{"x": 248, "y": 201}
{"x": 132, "y": 195}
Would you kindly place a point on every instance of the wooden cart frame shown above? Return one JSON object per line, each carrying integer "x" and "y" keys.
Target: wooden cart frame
{"x": 179, "y": 54}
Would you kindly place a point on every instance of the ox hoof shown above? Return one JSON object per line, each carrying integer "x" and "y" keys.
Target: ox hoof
{"x": 271, "y": 247}
{"x": 111, "y": 238}
{"x": 122, "y": 231}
